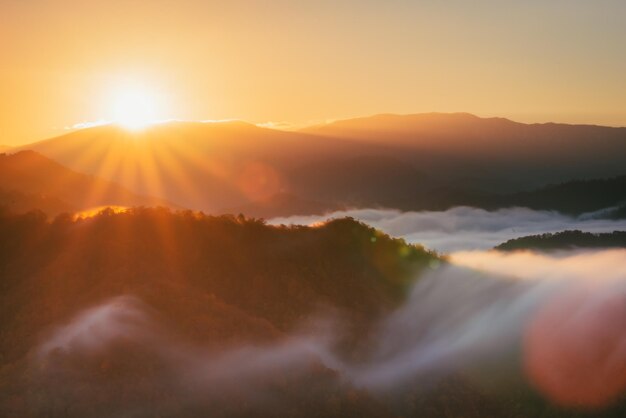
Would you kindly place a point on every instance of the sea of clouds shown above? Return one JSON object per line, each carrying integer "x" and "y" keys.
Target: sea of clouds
{"x": 555, "y": 321}
{"x": 464, "y": 228}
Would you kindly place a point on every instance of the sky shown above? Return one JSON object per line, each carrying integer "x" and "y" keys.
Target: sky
{"x": 64, "y": 62}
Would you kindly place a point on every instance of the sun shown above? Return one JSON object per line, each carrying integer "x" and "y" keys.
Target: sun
{"x": 134, "y": 107}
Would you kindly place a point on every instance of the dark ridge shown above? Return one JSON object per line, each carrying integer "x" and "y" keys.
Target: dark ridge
{"x": 566, "y": 240}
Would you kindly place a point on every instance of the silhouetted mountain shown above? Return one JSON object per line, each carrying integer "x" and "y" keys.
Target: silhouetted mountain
{"x": 30, "y": 181}
{"x": 408, "y": 162}
{"x": 412, "y": 129}
{"x": 566, "y": 240}
{"x": 514, "y": 155}
{"x": 208, "y": 166}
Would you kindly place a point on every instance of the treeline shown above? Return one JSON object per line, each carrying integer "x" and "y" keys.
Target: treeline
{"x": 566, "y": 240}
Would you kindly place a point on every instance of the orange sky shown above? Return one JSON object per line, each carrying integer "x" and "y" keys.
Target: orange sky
{"x": 302, "y": 61}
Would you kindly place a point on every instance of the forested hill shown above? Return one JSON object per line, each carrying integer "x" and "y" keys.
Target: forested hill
{"x": 566, "y": 240}
{"x": 214, "y": 281}
{"x": 179, "y": 259}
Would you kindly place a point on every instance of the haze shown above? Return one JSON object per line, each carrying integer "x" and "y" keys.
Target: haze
{"x": 371, "y": 209}
{"x": 298, "y": 63}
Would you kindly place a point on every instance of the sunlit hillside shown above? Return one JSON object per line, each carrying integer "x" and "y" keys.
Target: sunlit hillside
{"x": 222, "y": 165}
{"x": 30, "y": 181}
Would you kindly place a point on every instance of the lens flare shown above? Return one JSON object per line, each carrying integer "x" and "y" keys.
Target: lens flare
{"x": 576, "y": 348}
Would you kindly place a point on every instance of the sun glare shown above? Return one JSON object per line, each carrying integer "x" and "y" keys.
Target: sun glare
{"x": 134, "y": 108}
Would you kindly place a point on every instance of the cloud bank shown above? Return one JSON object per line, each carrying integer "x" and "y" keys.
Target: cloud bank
{"x": 552, "y": 321}
{"x": 463, "y": 228}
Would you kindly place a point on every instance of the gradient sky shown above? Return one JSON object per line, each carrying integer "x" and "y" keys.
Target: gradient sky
{"x": 299, "y": 62}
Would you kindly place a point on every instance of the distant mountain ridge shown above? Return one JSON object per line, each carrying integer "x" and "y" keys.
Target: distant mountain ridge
{"x": 444, "y": 124}
{"x": 529, "y": 154}
{"x": 403, "y": 161}
{"x": 209, "y": 166}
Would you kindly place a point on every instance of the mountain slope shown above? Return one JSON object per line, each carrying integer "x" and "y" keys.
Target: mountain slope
{"x": 525, "y": 155}
{"x": 607, "y": 196}
{"x": 402, "y": 161}
{"x": 467, "y": 131}
{"x": 29, "y": 180}
{"x": 208, "y": 166}
{"x": 15, "y": 201}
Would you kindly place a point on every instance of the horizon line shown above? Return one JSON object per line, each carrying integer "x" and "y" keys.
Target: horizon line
{"x": 283, "y": 126}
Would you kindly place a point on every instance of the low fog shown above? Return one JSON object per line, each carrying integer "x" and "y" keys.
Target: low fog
{"x": 555, "y": 322}
{"x": 465, "y": 228}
